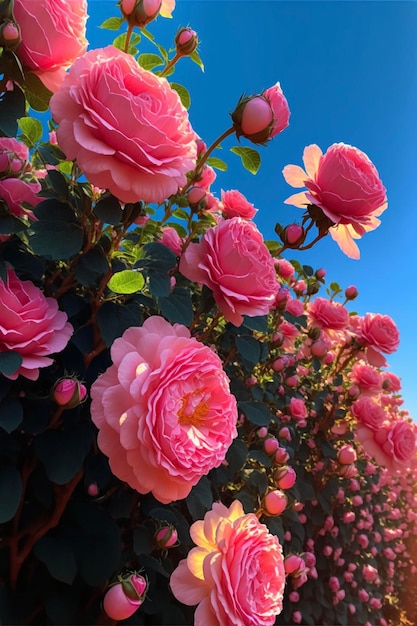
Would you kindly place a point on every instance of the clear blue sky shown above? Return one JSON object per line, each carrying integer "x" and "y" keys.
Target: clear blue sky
{"x": 348, "y": 70}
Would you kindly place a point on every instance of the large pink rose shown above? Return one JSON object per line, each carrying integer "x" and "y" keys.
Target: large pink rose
{"x": 328, "y": 314}
{"x": 125, "y": 126}
{"x": 53, "y": 36}
{"x": 235, "y": 574}
{"x": 378, "y": 333}
{"x": 30, "y": 325}
{"x": 164, "y": 411}
{"x": 345, "y": 184}
{"x": 392, "y": 446}
{"x": 368, "y": 412}
{"x": 235, "y": 205}
{"x": 17, "y": 183}
{"x": 233, "y": 261}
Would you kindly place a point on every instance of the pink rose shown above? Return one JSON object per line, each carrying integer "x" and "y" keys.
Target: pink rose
{"x": 235, "y": 574}
{"x": 236, "y": 205}
{"x": 368, "y": 412}
{"x": 297, "y": 408}
{"x": 392, "y": 446}
{"x": 378, "y": 333}
{"x": 17, "y": 183}
{"x": 53, "y": 36}
{"x": 233, "y": 261}
{"x": 346, "y": 186}
{"x": 171, "y": 239}
{"x": 278, "y": 103}
{"x": 367, "y": 378}
{"x": 261, "y": 117}
{"x": 125, "y": 126}
{"x": 328, "y": 314}
{"x": 164, "y": 411}
{"x": 30, "y": 325}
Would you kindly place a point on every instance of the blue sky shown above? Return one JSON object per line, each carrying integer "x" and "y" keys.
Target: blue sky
{"x": 348, "y": 70}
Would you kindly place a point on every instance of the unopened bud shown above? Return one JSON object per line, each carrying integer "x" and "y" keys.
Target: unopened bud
{"x": 253, "y": 118}
{"x": 186, "y": 41}
{"x": 140, "y": 12}
{"x": 275, "y": 502}
{"x": 10, "y": 36}
{"x": 166, "y": 537}
{"x": 125, "y": 597}
{"x": 293, "y": 235}
{"x": 351, "y": 292}
{"x": 69, "y": 392}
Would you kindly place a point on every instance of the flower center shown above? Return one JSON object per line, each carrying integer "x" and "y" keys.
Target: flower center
{"x": 193, "y": 409}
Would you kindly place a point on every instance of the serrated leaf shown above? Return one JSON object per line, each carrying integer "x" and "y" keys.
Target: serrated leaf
{"x": 148, "y": 61}
{"x": 218, "y": 164}
{"x": 31, "y": 127}
{"x": 183, "y": 94}
{"x": 251, "y": 159}
{"x": 112, "y": 23}
{"x": 126, "y": 282}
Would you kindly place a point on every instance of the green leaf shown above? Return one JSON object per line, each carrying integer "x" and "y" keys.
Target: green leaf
{"x": 113, "y": 319}
{"x": 31, "y": 127}
{"x": 12, "y": 107}
{"x": 58, "y": 558}
{"x": 183, "y": 93}
{"x": 143, "y": 540}
{"x": 194, "y": 56}
{"x": 120, "y": 43}
{"x": 109, "y": 210}
{"x": 251, "y": 159}
{"x": 10, "y": 492}
{"x": 256, "y": 412}
{"x": 62, "y": 452}
{"x": 55, "y": 240}
{"x": 177, "y": 307}
{"x": 200, "y": 498}
{"x": 260, "y": 323}
{"x": 112, "y": 23}
{"x": 9, "y": 362}
{"x": 126, "y": 282}
{"x": 308, "y": 270}
{"x": 36, "y": 93}
{"x": 217, "y": 163}
{"x": 11, "y": 414}
{"x": 148, "y": 61}
{"x": 249, "y": 348}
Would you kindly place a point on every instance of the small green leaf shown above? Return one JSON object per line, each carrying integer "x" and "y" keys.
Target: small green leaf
{"x": 148, "y": 61}
{"x": 194, "y": 56}
{"x": 183, "y": 94}
{"x": 217, "y": 163}
{"x": 126, "y": 282}
{"x": 112, "y": 23}
{"x": 256, "y": 412}
{"x": 251, "y": 159}
{"x": 31, "y": 127}
{"x": 9, "y": 362}
{"x": 36, "y": 93}
{"x": 120, "y": 43}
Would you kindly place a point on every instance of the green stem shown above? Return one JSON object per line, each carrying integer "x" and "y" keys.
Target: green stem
{"x": 128, "y": 36}
{"x": 170, "y": 64}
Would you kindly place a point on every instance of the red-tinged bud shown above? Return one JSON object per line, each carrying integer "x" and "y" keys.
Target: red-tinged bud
{"x": 347, "y": 471}
{"x": 125, "y": 597}
{"x": 285, "y": 477}
{"x": 186, "y": 41}
{"x": 294, "y": 564}
{"x": 140, "y": 12}
{"x": 275, "y": 502}
{"x": 166, "y": 537}
{"x": 293, "y": 235}
{"x": 69, "y": 392}
{"x": 346, "y": 455}
{"x": 93, "y": 490}
{"x": 320, "y": 273}
{"x": 281, "y": 455}
{"x": 351, "y": 292}
{"x": 10, "y": 36}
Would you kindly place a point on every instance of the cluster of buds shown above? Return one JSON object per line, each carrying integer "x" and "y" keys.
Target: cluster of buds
{"x": 125, "y": 596}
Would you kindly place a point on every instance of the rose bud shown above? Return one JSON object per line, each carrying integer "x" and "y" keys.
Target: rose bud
{"x": 293, "y": 235}
{"x": 140, "y": 12}
{"x": 294, "y": 564}
{"x": 285, "y": 477}
{"x": 260, "y": 117}
{"x": 10, "y": 36}
{"x": 166, "y": 537}
{"x": 69, "y": 393}
{"x": 196, "y": 197}
{"x": 275, "y": 502}
{"x": 125, "y": 597}
{"x": 186, "y": 41}
{"x": 346, "y": 455}
{"x": 351, "y": 292}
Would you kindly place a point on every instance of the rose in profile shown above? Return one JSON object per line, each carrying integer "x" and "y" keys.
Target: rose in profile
{"x": 125, "y": 126}
{"x": 52, "y": 37}
{"x": 234, "y": 262}
{"x": 235, "y": 204}
{"x": 377, "y": 333}
{"x": 235, "y": 574}
{"x": 392, "y": 446}
{"x": 345, "y": 185}
{"x": 164, "y": 410}
{"x": 30, "y": 325}
{"x": 18, "y": 186}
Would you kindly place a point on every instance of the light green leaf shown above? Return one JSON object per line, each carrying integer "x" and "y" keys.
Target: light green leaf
{"x": 31, "y": 128}
{"x": 217, "y": 163}
{"x": 126, "y": 282}
{"x": 194, "y": 56}
{"x": 251, "y": 159}
{"x": 183, "y": 94}
{"x": 120, "y": 42}
{"x": 113, "y": 23}
{"x": 149, "y": 61}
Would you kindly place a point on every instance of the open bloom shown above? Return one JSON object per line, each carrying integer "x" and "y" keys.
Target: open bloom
{"x": 234, "y": 262}
{"x": 30, "y": 325}
{"x": 125, "y": 126}
{"x": 18, "y": 186}
{"x": 235, "y": 574}
{"x": 345, "y": 185}
{"x": 377, "y": 333}
{"x": 52, "y": 36}
{"x": 164, "y": 410}
{"x": 393, "y": 445}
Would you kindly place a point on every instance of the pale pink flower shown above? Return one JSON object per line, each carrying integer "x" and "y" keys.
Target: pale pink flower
{"x": 164, "y": 410}
{"x": 236, "y": 205}
{"x": 346, "y": 186}
{"x": 30, "y": 325}
{"x": 368, "y": 412}
{"x": 235, "y": 574}
{"x": 377, "y": 333}
{"x": 234, "y": 262}
{"x": 125, "y": 126}
{"x": 53, "y": 36}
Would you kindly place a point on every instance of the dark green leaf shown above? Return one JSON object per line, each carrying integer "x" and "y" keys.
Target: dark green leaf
{"x": 10, "y": 224}
{"x": 62, "y": 452}
{"x": 159, "y": 284}
{"x": 36, "y": 93}
{"x": 109, "y": 210}
{"x": 58, "y": 558}
{"x": 143, "y": 540}
{"x": 10, "y": 492}
{"x": 151, "y": 563}
{"x": 177, "y": 307}
{"x": 10, "y": 362}
{"x": 308, "y": 270}
{"x": 60, "y": 211}
{"x": 59, "y": 184}
{"x": 258, "y": 455}
{"x": 249, "y": 348}
{"x": 275, "y": 527}
{"x": 12, "y": 107}
{"x": 251, "y": 159}
{"x": 11, "y": 414}
{"x": 257, "y": 480}
{"x": 91, "y": 266}
{"x": 256, "y": 412}
{"x": 113, "y": 319}
{"x": 259, "y": 323}
{"x": 62, "y": 608}
{"x": 55, "y": 240}
{"x": 200, "y": 498}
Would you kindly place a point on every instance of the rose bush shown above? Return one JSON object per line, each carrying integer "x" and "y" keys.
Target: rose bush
{"x": 109, "y": 105}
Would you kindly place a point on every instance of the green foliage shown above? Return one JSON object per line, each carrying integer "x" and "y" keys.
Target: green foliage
{"x": 126, "y": 282}
{"x": 10, "y": 492}
{"x": 250, "y": 158}
{"x": 183, "y": 94}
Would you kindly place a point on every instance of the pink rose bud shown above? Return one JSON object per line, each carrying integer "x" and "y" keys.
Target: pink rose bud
{"x": 196, "y": 197}
{"x": 297, "y": 617}
{"x": 351, "y": 292}
{"x": 284, "y": 433}
{"x": 140, "y": 12}
{"x": 285, "y": 477}
{"x": 294, "y": 564}
{"x": 275, "y": 502}
{"x": 186, "y": 41}
{"x": 125, "y": 597}
{"x": 261, "y": 117}
{"x": 262, "y": 432}
{"x": 93, "y": 490}
{"x": 166, "y": 537}
{"x": 281, "y": 455}
{"x": 292, "y": 381}
{"x": 69, "y": 393}
{"x": 319, "y": 348}
{"x": 271, "y": 445}
{"x": 320, "y": 273}
{"x": 346, "y": 455}
{"x": 10, "y": 36}
{"x": 293, "y": 235}
{"x": 294, "y": 596}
